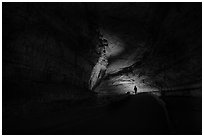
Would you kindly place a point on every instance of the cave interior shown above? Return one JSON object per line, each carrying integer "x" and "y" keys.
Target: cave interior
{"x": 101, "y": 68}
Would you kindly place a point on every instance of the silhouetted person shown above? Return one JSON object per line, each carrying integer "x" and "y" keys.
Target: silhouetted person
{"x": 135, "y": 89}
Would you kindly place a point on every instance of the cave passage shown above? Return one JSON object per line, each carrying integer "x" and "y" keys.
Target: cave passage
{"x": 101, "y": 68}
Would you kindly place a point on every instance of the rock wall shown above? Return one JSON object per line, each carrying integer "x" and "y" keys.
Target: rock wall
{"x": 42, "y": 44}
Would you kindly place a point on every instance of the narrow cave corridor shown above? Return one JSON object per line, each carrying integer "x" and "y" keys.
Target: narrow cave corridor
{"x": 101, "y": 68}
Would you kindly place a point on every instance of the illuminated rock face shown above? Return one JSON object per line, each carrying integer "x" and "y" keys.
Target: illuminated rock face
{"x": 98, "y": 72}
{"x": 100, "y": 68}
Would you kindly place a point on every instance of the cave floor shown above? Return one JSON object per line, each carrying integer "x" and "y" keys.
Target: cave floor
{"x": 130, "y": 114}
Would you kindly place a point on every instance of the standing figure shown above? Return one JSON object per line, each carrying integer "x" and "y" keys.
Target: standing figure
{"x": 135, "y": 89}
